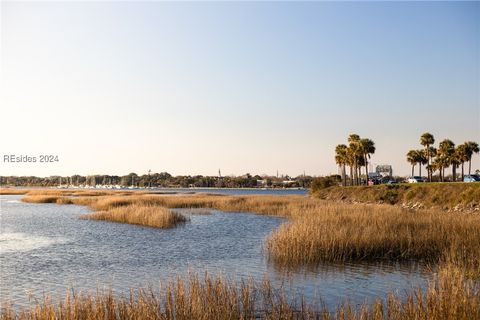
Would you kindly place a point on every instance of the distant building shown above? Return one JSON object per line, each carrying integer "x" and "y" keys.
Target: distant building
{"x": 385, "y": 170}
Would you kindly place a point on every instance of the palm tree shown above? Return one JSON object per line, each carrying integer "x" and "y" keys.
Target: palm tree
{"x": 439, "y": 163}
{"x": 462, "y": 156}
{"x": 472, "y": 147}
{"x": 446, "y": 150}
{"x": 427, "y": 140}
{"x": 422, "y": 160}
{"x": 351, "y": 163}
{"x": 355, "y": 153}
{"x": 412, "y": 159}
{"x": 367, "y": 148}
{"x": 341, "y": 158}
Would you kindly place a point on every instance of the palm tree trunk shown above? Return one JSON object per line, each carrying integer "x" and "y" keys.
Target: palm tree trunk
{"x": 469, "y": 166}
{"x": 454, "y": 172}
{"x": 463, "y": 175}
{"x": 420, "y": 169}
{"x": 429, "y": 169}
{"x": 413, "y": 168}
{"x": 366, "y": 169}
{"x": 344, "y": 173}
{"x": 351, "y": 175}
{"x": 354, "y": 170}
{"x": 355, "y": 173}
{"x": 359, "y": 181}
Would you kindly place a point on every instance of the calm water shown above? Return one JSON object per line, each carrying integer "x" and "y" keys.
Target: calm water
{"x": 238, "y": 191}
{"x": 45, "y": 248}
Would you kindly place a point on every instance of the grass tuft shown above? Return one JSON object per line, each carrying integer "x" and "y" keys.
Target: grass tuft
{"x": 146, "y": 215}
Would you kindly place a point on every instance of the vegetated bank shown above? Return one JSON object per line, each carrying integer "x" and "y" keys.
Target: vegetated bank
{"x": 443, "y": 196}
{"x": 318, "y": 231}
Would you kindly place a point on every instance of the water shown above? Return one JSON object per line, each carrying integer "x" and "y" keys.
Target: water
{"x": 227, "y": 191}
{"x": 47, "y": 249}
{"x": 238, "y": 191}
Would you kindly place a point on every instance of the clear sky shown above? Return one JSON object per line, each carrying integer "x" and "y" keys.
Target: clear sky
{"x": 188, "y": 88}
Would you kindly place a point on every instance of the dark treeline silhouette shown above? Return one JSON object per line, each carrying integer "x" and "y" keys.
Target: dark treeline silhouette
{"x": 162, "y": 180}
{"x": 442, "y": 157}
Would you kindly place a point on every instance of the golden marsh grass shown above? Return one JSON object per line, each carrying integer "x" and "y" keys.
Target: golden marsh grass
{"x": 320, "y": 231}
{"x": 12, "y": 191}
{"x": 317, "y": 231}
{"x": 450, "y": 296}
{"x": 147, "y": 215}
{"x": 373, "y": 232}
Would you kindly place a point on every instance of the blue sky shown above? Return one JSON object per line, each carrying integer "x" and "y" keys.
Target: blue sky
{"x": 188, "y": 88}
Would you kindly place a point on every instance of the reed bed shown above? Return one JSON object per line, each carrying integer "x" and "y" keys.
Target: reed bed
{"x": 42, "y": 199}
{"x": 146, "y": 215}
{"x": 374, "y": 232}
{"x": 321, "y": 231}
{"x": 449, "y": 296}
{"x": 12, "y": 191}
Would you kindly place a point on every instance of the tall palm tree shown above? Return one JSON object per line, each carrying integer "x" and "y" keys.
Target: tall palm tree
{"x": 367, "y": 148}
{"x": 355, "y": 152}
{"x": 439, "y": 163}
{"x": 427, "y": 140}
{"x": 462, "y": 156}
{"x": 446, "y": 150}
{"x": 341, "y": 158}
{"x": 422, "y": 160}
{"x": 455, "y": 161}
{"x": 472, "y": 147}
{"x": 351, "y": 164}
{"x": 412, "y": 159}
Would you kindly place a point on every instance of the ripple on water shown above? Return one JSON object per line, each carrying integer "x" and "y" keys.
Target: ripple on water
{"x": 20, "y": 242}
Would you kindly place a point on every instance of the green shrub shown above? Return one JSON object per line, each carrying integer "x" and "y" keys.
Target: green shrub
{"x": 325, "y": 182}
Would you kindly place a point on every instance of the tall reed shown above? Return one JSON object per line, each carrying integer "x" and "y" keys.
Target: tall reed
{"x": 320, "y": 230}
{"x": 450, "y": 296}
{"x": 147, "y": 215}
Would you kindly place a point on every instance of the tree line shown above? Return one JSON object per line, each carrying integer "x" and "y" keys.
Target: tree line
{"x": 356, "y": 153}
{"x": 161, "y": 180}
{"x": 442, "y": 157}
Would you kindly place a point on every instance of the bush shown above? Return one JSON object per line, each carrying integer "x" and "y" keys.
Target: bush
{"x": 325, "y": 182}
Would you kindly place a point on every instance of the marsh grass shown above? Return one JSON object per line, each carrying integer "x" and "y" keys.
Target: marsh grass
{"x": 318, "y": 231}
{"x": 12, "y": 191}
{"x": 42, "y": 199}
{"x": 372, "y": 232}
{"x": 146, "y": 215}
{"x": 449, "y": 296}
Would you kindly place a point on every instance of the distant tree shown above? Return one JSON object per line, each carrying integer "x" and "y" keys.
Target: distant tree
{"x": 461, "y": 154}
{"x": 427, "y": 140}
{"x": 341, "y": 158}
{"x": 422, "y": 160}
{"x": 325, "y": 182}
{"x": 412, "y": 158}
{"x": 472, "y": 147}
{"x": 439, "y": 163}
{"x": 367, "y": 148}
{"x": 446, "y": 150}
{"x": 355, "y": 153}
